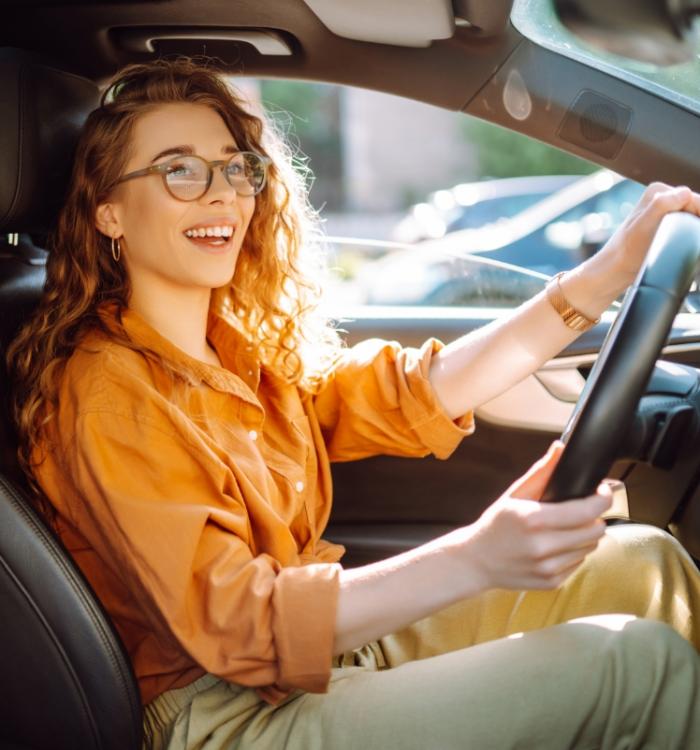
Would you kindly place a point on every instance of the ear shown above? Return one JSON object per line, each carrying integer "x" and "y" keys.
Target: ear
{"x": 107, "y": 220}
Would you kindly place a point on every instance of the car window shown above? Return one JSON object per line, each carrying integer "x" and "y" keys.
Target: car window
{"x": 435, "y": 208}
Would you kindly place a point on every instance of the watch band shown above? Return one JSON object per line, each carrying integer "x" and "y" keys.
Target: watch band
{"x": 572, "y": 318}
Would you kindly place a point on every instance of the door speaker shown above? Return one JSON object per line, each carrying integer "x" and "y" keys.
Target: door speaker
{"x": 597, "y": 124}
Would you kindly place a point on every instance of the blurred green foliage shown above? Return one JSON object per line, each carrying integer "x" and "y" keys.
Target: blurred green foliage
{"x": 309, "y": 116}
{"x": 503, "y": 153}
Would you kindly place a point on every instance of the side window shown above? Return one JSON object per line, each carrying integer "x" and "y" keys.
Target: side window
{"x": 436, "y": 209}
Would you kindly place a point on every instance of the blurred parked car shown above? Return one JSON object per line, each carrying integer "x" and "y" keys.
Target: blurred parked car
{"x": 471, "y": 205}
{"x": 554, "y": 235}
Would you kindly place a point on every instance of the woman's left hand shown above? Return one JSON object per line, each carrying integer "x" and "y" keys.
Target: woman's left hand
{"x": 625, "y": 251}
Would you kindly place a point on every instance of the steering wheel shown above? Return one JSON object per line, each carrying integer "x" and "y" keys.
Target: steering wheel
{"x": 606, "y": 407}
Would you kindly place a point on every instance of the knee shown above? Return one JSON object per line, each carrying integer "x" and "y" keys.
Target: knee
{"x": 648, "y": 643}
{"x": 633, "y": 636}
{"x": 632, "y": 544}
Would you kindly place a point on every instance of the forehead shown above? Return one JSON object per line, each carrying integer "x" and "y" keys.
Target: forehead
{"x": 179, "y": 124}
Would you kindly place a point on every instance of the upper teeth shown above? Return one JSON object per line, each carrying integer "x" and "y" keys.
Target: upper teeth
{"x": 223, "y": 231}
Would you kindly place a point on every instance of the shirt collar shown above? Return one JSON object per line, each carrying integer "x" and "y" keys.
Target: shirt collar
{"x": 240, "y": 373}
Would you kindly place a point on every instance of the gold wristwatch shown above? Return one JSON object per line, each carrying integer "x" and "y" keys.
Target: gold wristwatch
{"x": 574, "y": 319}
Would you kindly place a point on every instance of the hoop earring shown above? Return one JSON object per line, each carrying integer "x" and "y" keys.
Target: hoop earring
{"x": 116, "y": 254}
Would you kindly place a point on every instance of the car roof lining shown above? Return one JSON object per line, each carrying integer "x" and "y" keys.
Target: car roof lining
{"x": 96, "y": 39}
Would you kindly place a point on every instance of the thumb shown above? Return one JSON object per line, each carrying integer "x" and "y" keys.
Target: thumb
{"x": 531, "y": 485}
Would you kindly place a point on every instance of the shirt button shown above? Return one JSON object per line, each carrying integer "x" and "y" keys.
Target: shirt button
{"x": 253, "y": 435}
{"x": 299, "y": 486}
{"x": 250, "y": 373}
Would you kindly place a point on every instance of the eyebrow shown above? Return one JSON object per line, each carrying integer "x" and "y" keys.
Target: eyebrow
{"x": 188, "y": 151}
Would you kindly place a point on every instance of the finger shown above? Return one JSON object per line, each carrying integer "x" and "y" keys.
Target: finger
{"x": 564, "y": 541}
{"x": 570, "y": 514}
{"x": 652, "y": 189}
{"x": 557, "y": 581}
{"x": 554, "y": 567}
{"x": 666, "y": 201}
{"x": 540, "y": 582}
{"x": 693, "y": 204}
{"x": 531, "y": 485}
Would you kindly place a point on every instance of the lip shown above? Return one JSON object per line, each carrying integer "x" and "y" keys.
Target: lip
{"x": 212, "y": 249}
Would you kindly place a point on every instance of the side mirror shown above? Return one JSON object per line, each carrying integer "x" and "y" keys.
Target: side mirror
{"x": 662, "y": 32}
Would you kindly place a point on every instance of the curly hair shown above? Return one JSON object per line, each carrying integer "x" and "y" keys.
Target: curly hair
{"x": 273, "y": 295}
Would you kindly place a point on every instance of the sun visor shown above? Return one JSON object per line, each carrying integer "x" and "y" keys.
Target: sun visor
{"x": 42, "y": 109}
{"x": 408, "y": 23}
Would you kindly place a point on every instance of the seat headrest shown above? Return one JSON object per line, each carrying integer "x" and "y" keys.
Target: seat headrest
{"x": 42, "y": 109}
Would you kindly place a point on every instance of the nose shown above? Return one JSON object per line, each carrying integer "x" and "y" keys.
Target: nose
{"x": 220, "y": 190}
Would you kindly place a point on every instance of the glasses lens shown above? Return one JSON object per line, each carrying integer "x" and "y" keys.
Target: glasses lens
{"x": 187, "y": 177}
{"x": 246, "y": 172}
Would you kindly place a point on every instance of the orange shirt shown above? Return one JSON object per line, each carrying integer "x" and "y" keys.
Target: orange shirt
{"x": 194, "y": 504}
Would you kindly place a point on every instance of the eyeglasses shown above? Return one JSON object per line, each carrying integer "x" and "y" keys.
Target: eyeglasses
{"x": 187, "y": 178}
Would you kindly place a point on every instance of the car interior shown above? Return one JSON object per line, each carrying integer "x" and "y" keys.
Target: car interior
{"x": 67, "y": 681}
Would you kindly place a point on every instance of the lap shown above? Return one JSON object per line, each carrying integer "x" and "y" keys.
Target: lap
{"x": 582, "y": 684}
{"x": 636, "y": 569}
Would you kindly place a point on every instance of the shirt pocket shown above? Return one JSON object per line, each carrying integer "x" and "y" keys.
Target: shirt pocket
{"x": 292, "y": 469}
{"x": 290, "y": 457}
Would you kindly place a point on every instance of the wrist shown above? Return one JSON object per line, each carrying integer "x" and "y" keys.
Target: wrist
{"x": 460, "y": 548}
{"x": 593, "y": 286}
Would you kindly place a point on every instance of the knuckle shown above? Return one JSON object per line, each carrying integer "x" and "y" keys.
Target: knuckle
{"x": 538, "y": 551}
{"x": 547, "y": 569}
{"x": 654, "y": 188}
{"x": 532, "y": 521}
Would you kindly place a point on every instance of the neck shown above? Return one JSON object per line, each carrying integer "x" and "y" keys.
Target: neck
{"x": 180, "y": 315}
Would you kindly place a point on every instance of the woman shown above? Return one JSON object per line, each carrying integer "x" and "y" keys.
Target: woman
{"x": 179, "y": 402}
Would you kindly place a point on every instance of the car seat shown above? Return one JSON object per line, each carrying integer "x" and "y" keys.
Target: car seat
{"x": 65, "y": 677}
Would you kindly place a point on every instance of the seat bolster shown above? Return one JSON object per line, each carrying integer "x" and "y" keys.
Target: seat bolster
{"x": 57, "y": 646}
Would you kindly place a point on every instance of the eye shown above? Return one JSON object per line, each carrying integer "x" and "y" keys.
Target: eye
{"x": 236, "y": 167}
{"x": 181, "y": 168}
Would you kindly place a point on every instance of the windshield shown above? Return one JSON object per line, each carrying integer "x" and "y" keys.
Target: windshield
{"x": 679, "y": 84}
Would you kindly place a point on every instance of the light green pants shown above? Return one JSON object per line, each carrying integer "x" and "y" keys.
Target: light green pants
{"x": 498, "y": 671}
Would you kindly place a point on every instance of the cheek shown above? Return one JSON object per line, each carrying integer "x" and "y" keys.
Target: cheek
{"x": 247, "y": 211}
{"x": 151, "y": 219}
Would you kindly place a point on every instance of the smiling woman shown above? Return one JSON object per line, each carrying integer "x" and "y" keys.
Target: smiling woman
{"x": 179, "y": 401}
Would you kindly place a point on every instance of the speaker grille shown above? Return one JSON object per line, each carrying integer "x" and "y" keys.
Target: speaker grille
{"x": 596, "y": 123}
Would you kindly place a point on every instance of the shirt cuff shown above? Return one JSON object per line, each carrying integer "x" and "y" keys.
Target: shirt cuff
{"x": 304, "y": 604}
{"x": 428, "y": 419}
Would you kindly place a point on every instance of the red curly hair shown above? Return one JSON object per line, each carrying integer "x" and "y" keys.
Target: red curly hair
{"x": 272, "y": 296}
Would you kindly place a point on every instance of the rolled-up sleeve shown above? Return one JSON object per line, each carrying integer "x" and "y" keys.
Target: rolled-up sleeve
{"x": 172, "y": 524}
{"x": 378, "y": 399}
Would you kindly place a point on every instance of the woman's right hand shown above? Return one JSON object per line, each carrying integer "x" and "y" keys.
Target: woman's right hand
{"x": 521, "y": 543}
{"x": 517, "y": 543}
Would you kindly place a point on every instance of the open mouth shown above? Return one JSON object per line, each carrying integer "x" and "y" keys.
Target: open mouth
{"x": 217, "y": 236}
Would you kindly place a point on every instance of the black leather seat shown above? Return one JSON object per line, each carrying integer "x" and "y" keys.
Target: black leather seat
{"x": 65, "y": 678}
